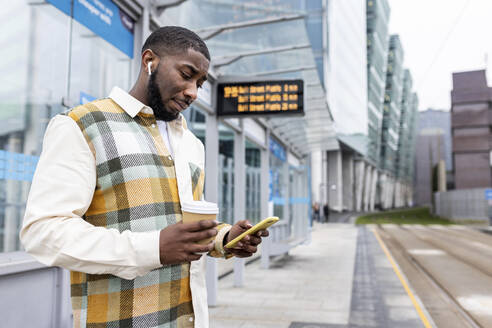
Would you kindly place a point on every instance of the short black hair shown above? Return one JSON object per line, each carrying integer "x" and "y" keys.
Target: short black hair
{"x": 173, "y": 40}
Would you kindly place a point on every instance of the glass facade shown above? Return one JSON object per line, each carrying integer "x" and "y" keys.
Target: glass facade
{"x": 41, "y": 44}
{"x": 226, "y": 174}
{"x": 196, "y": 120}
{"x": 377, "y": 55}
{"x": 403, "y": 158}
{"x": 96, "y": 66}
{"x": 253, "y": 182}
{"x": 309, "y": 133}
{"x": 52, "y": 61}
{"x": 392, "y": 106}
{"x": 257, "y": 38}
{"x": 278, "y": 185}
{"x": 412, "y": 136}
{"x": 316, "y": 33}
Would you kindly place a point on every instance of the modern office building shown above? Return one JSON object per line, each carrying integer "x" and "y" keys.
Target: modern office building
{"x": 388, "y": 185}
{"x": 359, "y": 171}
{"x": 434, "y": 145}
{"x": 378, "y": 12}
{"x": 406, "y": 117}
{"x": 346, "y": 65}
{"x": 471, "y": 105}
{"x": 412, "y": 137}
{"x": 334, "y": 169}
{"x": 392, "y": 106}
{"x": 405, "y": 150}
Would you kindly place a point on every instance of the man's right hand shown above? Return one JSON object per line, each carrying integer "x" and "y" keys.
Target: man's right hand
{"x": 178, "y": 242}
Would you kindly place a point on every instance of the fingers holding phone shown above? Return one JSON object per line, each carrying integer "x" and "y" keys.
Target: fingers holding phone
{"x": 243, "y": 238}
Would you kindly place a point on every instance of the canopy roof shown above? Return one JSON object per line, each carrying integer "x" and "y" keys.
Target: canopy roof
{"x": 249, "y": 39}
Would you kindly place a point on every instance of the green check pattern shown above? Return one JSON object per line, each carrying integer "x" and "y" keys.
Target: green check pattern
{"x": 136, "y": 190}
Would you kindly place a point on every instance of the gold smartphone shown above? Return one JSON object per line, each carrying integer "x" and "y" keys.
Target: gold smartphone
{"x": 257, "y": 227}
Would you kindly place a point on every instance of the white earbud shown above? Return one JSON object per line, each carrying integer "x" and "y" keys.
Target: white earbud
{"x": 148, "y": 67}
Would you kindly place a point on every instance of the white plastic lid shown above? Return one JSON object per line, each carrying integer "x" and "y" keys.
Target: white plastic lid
{"x": 200, "y": 207}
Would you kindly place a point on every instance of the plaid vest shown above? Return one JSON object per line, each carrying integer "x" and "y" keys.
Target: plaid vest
{"x": 136, "y": 190}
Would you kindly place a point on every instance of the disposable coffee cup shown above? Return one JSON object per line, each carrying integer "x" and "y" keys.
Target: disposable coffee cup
{"x": 194, "y": 211}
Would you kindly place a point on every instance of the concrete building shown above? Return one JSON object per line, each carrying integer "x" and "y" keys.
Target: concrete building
{"x": 436, "y": 121}
{"x": 346, "y": 85}
{"x": 471, "y": 105}
{"x": 335, "y": 176}
{"x": 434, "y": 145}
{"x": 377, "y": 56}
{"x": 346, "y": 65}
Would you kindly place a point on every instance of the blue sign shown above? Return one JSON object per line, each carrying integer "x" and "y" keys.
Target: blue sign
{"x": 488, "y": 194}
{"x": 277, "y": 150}
{"x": 85, "y": 98}
{"x": 275, "y": 195}
{"x": 16, "y": 166}
{"x": 103, "y": 18}
{"x": 63, "y": 5}
{"x": 299, "y": 200}
{"x": 278, "y": 200}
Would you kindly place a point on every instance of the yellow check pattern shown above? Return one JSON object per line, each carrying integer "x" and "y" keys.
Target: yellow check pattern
{"x": 136, "y": 190}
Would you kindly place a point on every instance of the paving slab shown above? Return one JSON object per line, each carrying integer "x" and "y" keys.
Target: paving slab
{"x": 313, "y": 284}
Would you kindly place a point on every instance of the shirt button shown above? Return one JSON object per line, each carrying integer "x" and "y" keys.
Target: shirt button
{"x": 153, "y": 125}
{"x": 190, "y": 319}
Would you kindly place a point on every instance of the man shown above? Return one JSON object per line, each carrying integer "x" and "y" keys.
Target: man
{"x": 326, "y": 213}
{"x": 105, "y": 199}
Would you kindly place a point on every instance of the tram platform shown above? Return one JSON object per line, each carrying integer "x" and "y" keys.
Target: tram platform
{"x": 342, "y": 278}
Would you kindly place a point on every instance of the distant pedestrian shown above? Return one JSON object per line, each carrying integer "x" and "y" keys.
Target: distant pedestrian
{"x": 326, "y": 213}
{"x": 316, "y": 211}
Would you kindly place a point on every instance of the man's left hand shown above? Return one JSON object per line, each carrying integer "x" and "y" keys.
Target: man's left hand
{"x": 248, "y": 245}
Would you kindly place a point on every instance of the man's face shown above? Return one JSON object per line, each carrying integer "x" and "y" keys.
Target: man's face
{"x": 174, "y": 83}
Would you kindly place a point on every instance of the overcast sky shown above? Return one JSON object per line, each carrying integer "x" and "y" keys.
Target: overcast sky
{"x": 440, "y": 37}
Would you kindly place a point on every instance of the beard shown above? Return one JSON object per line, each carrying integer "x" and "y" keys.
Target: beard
{"x": 154, "y": 99}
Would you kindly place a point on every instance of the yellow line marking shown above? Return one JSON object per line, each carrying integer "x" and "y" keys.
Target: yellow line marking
{"x": 422, "y": 316}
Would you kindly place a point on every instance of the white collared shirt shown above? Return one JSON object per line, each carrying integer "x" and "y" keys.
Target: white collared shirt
{"x": 54, "y": 231}
{"x": 163, "y": 130}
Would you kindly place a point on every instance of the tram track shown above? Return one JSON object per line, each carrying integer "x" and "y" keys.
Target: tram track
{"x": 431, "y": 268}
{"x": 465, "y": 233}
{"x": 461, "y": 251}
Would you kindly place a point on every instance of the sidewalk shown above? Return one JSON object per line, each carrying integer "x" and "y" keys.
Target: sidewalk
{"x": 312, "y": 285}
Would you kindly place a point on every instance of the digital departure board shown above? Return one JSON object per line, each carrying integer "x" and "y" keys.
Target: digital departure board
{"x": 281, "y": 97}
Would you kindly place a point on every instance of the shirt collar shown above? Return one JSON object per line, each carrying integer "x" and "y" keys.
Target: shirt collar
{"x": 132, "y": 106}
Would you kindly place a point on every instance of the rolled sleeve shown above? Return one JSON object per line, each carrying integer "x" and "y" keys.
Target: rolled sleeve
{"x": 146, "y": 245}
